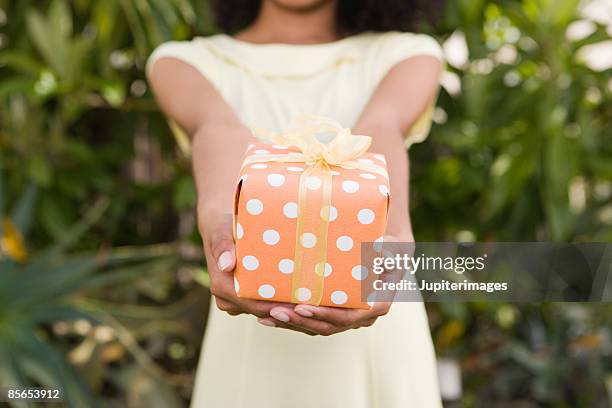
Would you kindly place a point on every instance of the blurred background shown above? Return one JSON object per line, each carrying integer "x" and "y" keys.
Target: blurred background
{"x": 102, "y": 288}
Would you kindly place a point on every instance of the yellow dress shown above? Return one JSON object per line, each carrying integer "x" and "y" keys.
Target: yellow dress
{"x": 243, "y": 364}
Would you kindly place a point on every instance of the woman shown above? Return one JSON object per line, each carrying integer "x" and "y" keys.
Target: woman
{"x": 336, "y": 58}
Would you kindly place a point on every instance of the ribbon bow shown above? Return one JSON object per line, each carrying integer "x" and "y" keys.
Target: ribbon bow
{"x": 319, "y": 139}
{"x": 323, "y": 143}
{"x": 306, "y": 132}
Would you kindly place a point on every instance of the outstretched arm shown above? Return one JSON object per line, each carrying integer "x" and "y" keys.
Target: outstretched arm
{"x": 219, "y": 141}
{"x": 402, "y": 96}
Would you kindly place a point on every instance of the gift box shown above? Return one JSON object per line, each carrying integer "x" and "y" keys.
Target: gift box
{"x": 303, "y": 206}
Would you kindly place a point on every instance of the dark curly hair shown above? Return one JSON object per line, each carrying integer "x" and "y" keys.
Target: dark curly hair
{"x": 353, "y": 16}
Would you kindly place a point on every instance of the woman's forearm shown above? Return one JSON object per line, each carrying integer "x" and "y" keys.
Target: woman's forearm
{"x": 218, "y": 137}
{"x": 387, "y": 140}
{"x": 218, "y": 150}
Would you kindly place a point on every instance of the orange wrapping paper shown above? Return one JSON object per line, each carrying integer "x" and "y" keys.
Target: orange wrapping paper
{"x": 266, "y": 220}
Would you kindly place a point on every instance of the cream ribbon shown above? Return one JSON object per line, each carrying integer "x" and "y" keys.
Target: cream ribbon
{"x": 305, "y": 132}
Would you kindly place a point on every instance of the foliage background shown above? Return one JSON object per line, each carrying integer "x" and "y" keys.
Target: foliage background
{"x": 99, "y": 234}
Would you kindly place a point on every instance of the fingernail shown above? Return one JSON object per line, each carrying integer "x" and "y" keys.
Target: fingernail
{"x": 303, "y": 311}
{"x": 265, "y": 322}
{"x": 225, "y": 260}
{"x": 283, "y": 317}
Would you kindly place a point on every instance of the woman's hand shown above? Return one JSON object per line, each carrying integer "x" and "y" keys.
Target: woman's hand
{"x": 219, "y": 249}
{"x": 322, "y": 320}
{"x": 325, "y": 321}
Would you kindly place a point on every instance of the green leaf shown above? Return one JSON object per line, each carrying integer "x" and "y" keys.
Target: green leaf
{"x": 40, "y": 284}
{"x": 167, "y": 11}
{"x": 53, "y": 217}
{"x": 16, "y": 85}
{"x": 48, "y": 41}
{"x": 47, "y": 314}
{"x": 11, "y": 373}
{"x": 23, "y": 212}
{"x": 114, "y": 93}
{"x": 563, "y": 12}
{"x": 40, "y": 171}
{"x": 21, "y": 62}
{"x": 104, "y": 18}
{"x": 129, "y": 273}
{"x": 136, "y": 26}
{"x": 77, "y": 52}
{"x": 509, "y": 173}
{"x": 601, "y": 166}
{"x": 60, "y": 18}
{"x": 55, "y": 368}
{"x": 560, "y": 167}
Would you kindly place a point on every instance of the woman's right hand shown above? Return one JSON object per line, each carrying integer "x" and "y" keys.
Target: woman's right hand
{"x": 216, "y": 231}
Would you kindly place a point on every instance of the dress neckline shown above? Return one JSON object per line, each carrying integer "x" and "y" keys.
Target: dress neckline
{"x": 288, "y": 61}
{"x": 315, "y": 46}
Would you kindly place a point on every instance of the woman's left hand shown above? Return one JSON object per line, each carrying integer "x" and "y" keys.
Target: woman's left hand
{"x": 325, "y": 321}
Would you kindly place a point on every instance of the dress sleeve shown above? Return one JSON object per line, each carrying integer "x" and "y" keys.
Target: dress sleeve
{"x": 193, "y": 53}
{"x": 396, "y": 47}
{"x": 199, "y": 57}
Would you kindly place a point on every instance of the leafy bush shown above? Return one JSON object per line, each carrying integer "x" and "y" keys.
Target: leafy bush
{"x": 524, "y": 150}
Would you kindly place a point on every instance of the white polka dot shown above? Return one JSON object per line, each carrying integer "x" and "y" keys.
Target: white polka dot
{"x": 378, "y": 244}
{"x": 295, "y": 169}
{"x": 365, "y": 161}
{"x": 266, "y": 291}
{"x": 259, "y": 166}
{"x": 344, "y": 243}
{"x": 333, "y": 213}
{"x": 250, "y": 263}
{"x": 367, "y": 176}
{"x": 261, "y": 151}
{"x": 236, "y": 285}
{"x": 308, "y": 240}
{"x": 371, "y": 299}
{"x": 380, "y": 157}
{"x": 239, "y": 231}
{"x": 335, "y": 173}
{"x": 339, "y": 297}
{"x": 290, "y": 210}
{"x": 249, "y": 147}
{"x": 324, "y": 269}
{"x": 313, "y": 183}
{"x": 303, "y": 294}
{"x": 285, "y": 266}
{"x": 383, "y": 190}
{"x": 281, "y": 147}
{"x": 254, "y": 206}
{"x": 276, "y": 180}
{"x": 366, "y": 216}
{"x": 350, "y": 186}
{"x": 271, "y": 237}
{"x": 359, "y": 272}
